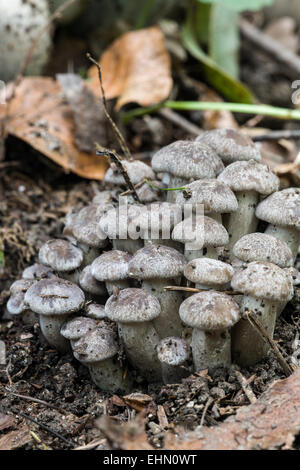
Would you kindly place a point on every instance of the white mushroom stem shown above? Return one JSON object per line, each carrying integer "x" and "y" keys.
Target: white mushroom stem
{"x": 206, "y": 252}
{"x": 109, "y": 376}
{"x": 289, "y": 235}
{"x": 168, "y": 323}
{"x": 165, "y": 242}
{"x": 140, "y": 341}
{"x": 211, "y": 348}
{"x": 122, "y": 284}
{"x": 131, "y": 246}
{"x": 248, "y": 347}
{"x": 243, "y": 220}
{"x": 50, "y": 327}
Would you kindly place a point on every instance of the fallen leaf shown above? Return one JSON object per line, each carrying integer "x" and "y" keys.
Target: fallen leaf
{"x": 217, "y": 119}
{"x": 139, "y": 401}
{"x": 15, "y": 439}
{"x": 136, "y": 68}
{"x": 6, "y": 421}
{"x": 40, "y": 116}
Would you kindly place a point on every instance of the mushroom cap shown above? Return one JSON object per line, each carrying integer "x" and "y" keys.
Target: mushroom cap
{"x": 281, "y": 208}
{"x": 60, "y": 255}
{"x": 187, "y": 159}
{"x": 104, "y": 197}
{"x": 115, "y": 222}
{"x": 38, "y": 272}
{"x": 111, "y": 266}
{"x": 96, "y": 345}
{"x": 88, "y": 282}
{"x": 263, "y": 247}
{"x": 264, "y": 281}
{"x": 95, "y": 311}
{"x": 156, "y": 262}
{"x": 213, "y": 194}
{"x": 54, "y": 297}
{"x": 77, "y": 327}
{"x": 207, "y": 271}
{"x": 132, "y": 306}
{"x": 209, "y": 310}
{"x": 136, "y": 170}
{"x": 86, "y": 227}
{"x": 21, "y": 285}
{"x": 231, "y": 145}
{"x": 173, "y": 351}
{"x": 295, "y": 275}
{"x": 201, "y": 228}
{"x": 16, "y": 304}
{"x": 250, "y": 176}
{"x": 148, "y": 194}
{"x": 157, "y": 216}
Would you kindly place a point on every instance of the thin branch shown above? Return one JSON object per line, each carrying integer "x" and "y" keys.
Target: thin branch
{"x": 180, "y": 121}
{"x": 277, "y": 135}
{"x": 49, "y": 430}
{"x": 36, "y": 400}
{"x": 195, "y": 290}
{"x": 245, "y": 386}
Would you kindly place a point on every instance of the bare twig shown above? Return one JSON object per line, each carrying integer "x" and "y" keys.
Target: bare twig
{"x": 180, "y": 121}
{"x": 35, "y": 400}
{"x": 91, "y": 445}
{"x": 277, "y": 135}
{"x": 245, "y": 386}
{"x": 195, "y": 290}
{"x": 207, "y": 405}
{"x": 49, "y": 430}
{"x": 254, "y": 321}
{"x": 119, "y": 136}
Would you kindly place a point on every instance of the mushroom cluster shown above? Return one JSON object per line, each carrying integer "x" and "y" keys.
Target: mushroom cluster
{"x": 114, "y": 289}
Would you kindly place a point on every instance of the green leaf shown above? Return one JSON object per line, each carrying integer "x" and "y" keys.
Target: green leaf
{"x": 224, "y": 39}
{"x": 2, "y": 259}
{"x": 241, "y": 5}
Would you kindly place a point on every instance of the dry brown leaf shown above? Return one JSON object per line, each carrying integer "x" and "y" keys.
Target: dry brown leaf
{"x": 136, "y": 68}
{"x": 139, "y": 401}
{"x": 6, "y": 421}
{"x": 40, "y": 116}
{"x": 15, "y": 439}
{"x": 272, "y": 422}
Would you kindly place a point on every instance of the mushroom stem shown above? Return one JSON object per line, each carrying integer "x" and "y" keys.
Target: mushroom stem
{"x": 211, "y": 348}
{"x": 168, "y": 323}
{"x": 206, "y": 252}
{"x": 121, "y": 284}
{"x": 174, "y": 374}
{"x": 243, "y": 220}
{"x": 89, "y": 254}
{"x": 165, "y": 242}
{"x": 140, "y": 341}
{"x": 131, "y": 246}
{"x": 289, "y": 235}
{"x": 248, "y": 347}
{"x": 109, "y": 376}
{"x": 50, "y": 327}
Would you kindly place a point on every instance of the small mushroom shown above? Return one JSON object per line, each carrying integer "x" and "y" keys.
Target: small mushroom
{"x": 62, "y": 257}
{"x": 95, "y": 311}
{"x": 112, "y": 267}
{"x": 209, "y": 273}
{"x": 137, "y": 171}
{"x": 54, "y": 300}
{"x": 211, "y": 315}
{"x": 133, "y": 310}
{"x": 74, "y": 329}
{"x": 158, "y": 266}
{"x": 16, "y": 304}
{"x": 98, "y": 349}
{"x": 174, "y": 354}
{"x": 90, "y": 284}
{"x": 264, "y": 285}
{"x": 38, "y": 272}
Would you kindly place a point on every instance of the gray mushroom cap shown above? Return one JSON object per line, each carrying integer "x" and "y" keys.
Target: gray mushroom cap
{"x": 21, "y": 285}
{"x": 281, "y": 208}
{"x": 90, "y": 284}
{"x": 132, "y": 306}
{"x": 263, "y": 247}
{"x": 295, "y": 275}
{"x": 264, "y": 281}
{"x": 188, "y": 159}
{"x": 86, "y": 227}
{"x": 208, "y": 271}
{"x": 213, "y": 194}
{"x": 156, "y": 262}
{"x": 60, "y": 255}
{"x": 250, "y": 176}
{"x": 173, "y": 351}
{"x": 38, "y": 272}
{"x": 111, "y": 266}
{"x": 155, "y": 215}
{"x": 202, "y": 228}
{"x": 116, "y": 221}
{"x": 96, "y": 345}
{"x": 95, "y": 311}
{"x": 54, "y": 297}
{"x": 209, "y": 310}
{"x": 77, "y": 327}
{"x": 136, "y": 170}
{"x": 16, "y": 304}
{"x": 231, "y": 145}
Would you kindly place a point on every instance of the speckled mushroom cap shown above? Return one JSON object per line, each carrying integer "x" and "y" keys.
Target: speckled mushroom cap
{"x": 86, "y": 227}
{"x": 281, "y": 208}
{"x": 173, "y": 351}
{"x": 208, "y": 271}
{"x": 263, "y": 247}
{"x": 89, "y": 284}
{"x": 60, "y": 255}
{"x": 231, "y": 145}
{"x": 209, "y": 310}
{"x": 213, "y": 194}
{"x": 156, "y": 262}
{"x": 116, "y": 221}
{"x": 188, "y": 159}
{"x": 264, "y": 281}
{"x": 295, "y": 275}
{"x": 95, "y": 311}
{"x": 132, "y": 306}
{"x": 54, "y": 297}
{"x": 21, "y": 285}
{"x": 201, "y": 228}
{"x": 153, "y": 216}
{"x": 77, "y": 327}
{"x": 250, "y": 176}
{"x": 97, "y": 345}
{"x": 111, "y": 266}
{"x": 38, "y": 272}
{"x": 16, "y": 304}
{"x": 136, "y": 170}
